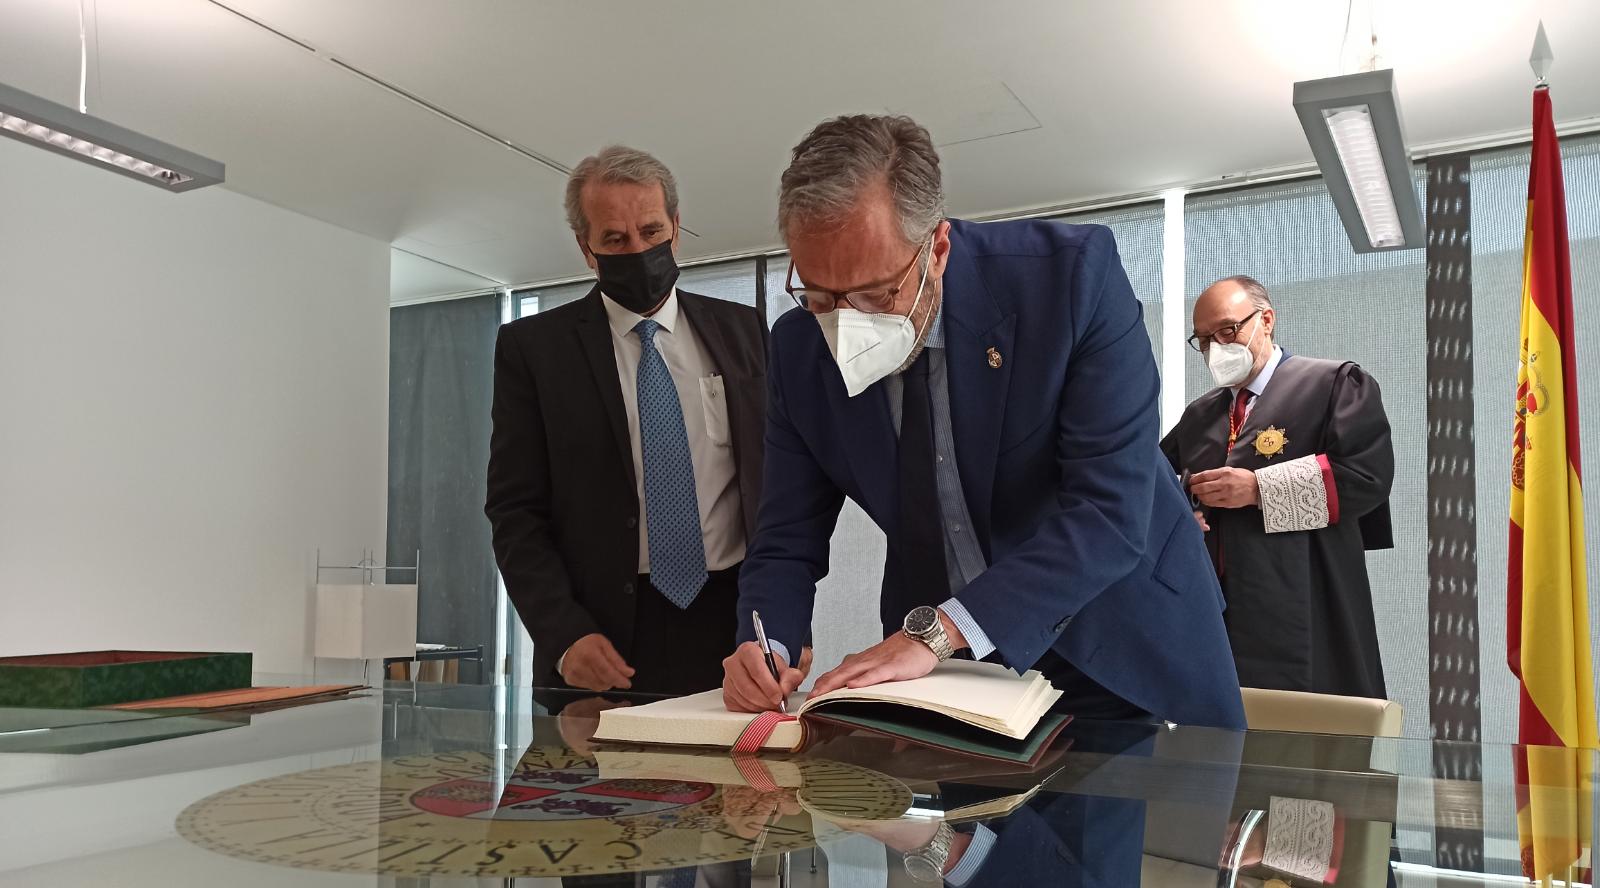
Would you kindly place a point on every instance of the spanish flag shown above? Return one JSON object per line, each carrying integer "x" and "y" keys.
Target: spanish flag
{"x": 1547, "y": 632}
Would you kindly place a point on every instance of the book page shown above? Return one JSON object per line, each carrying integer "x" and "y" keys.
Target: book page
{"x": 989, "y": 810}
{"x": 984, "y": 694}
{"x": 696, "y": 720}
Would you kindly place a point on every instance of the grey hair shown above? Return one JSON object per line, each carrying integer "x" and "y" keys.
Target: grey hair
{"x": 1252, "y": 288}
{"x": 845, "y": 156}
{"x": 612, "y": 165}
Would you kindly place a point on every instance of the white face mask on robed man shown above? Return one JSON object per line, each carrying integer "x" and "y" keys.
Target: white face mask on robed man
{"x": 869, "y": 347}
{"x": 1230, "y": 363}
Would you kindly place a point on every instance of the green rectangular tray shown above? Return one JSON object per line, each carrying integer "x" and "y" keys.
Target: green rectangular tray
{"x": 104, "y": 678}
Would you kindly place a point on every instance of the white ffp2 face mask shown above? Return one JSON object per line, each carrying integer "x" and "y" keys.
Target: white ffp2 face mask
{"x": 869, "y": 347}
{"x": 1230, "y": 363}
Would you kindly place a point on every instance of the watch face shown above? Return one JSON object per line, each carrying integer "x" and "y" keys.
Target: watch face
{"x": 922, "y": 869}
{"x": 921, "y": 620}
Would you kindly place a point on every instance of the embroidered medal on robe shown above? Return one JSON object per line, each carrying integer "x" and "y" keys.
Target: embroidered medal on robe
{"x": 1270, "y": 441}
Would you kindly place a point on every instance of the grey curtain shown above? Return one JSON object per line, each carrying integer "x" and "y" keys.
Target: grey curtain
{"x": 441, "y": 381}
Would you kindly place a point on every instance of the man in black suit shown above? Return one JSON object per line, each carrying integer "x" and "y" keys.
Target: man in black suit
{"x": 625, "y": 462}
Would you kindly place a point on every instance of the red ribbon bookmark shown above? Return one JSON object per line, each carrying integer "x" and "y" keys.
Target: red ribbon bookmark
{"x": 755, "y": 773}
{"x": 756, "y": 733}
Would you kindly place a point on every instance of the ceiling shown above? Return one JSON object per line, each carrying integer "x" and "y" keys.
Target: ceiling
{"x": 1035, "y": 102}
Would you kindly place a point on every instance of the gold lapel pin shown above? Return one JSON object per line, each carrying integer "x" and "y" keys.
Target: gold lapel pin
{"x": 994, "y": 358}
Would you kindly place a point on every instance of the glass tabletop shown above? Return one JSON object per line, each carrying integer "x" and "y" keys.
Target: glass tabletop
{"x": 427, "y": 784}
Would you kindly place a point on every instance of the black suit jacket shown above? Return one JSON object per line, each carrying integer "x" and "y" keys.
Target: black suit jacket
{"x": 562, "y": 496}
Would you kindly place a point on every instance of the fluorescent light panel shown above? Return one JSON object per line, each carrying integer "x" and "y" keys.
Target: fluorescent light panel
{"x": 45, "y": 124}
{"x": 1362, "y": 160}
{"x": 1353, "y": 125}
{"x": 90, "y": 150}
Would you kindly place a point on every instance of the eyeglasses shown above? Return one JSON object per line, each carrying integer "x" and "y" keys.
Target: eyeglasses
{"x": 819, "y": 301}
{"x": 1222, "y": 335}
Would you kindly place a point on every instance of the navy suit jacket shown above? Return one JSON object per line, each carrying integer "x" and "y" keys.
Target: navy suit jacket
{"x": 1092, "y": 548}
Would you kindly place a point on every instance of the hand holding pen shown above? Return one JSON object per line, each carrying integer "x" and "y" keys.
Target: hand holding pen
{"x": 766, "y": 652}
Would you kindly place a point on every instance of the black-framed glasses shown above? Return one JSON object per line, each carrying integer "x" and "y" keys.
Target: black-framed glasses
{"x": 1222, "y": 335}
{"x": 819, "y": 301}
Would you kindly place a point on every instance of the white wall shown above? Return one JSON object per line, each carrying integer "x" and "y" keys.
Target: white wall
{"x": 845, "y": 619}
{"x": 193, "y": 398}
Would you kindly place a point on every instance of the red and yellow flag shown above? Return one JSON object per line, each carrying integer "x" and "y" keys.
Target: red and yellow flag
{"x": 1547, "y": 633}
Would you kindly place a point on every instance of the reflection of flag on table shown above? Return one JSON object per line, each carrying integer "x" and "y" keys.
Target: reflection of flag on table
{"x": 1547, "y": 632}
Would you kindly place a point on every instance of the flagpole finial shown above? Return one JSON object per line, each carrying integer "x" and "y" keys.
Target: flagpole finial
{"x": 1542, "y": 57}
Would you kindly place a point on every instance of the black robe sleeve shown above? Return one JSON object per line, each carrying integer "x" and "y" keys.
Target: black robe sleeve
{"x": 1169, "y": 447}
{"x": 1358, "y": 446}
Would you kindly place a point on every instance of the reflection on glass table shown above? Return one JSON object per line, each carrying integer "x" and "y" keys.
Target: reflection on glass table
{"x": 69, "y": 731}
{"x": 468, "y": 785}
{"x": 96, "y": 728}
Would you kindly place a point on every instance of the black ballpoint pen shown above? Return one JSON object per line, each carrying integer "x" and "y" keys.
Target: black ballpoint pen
{"x": 766, "y": 651}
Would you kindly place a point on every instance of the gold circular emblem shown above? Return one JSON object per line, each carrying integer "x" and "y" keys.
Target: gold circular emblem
{"x": 1270, "y": 441}
{"x": 994, "y": 358}
{"x": 556, "y": 813}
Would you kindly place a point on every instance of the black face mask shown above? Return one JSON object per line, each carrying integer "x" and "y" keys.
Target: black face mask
{"x": 638, "y": 281}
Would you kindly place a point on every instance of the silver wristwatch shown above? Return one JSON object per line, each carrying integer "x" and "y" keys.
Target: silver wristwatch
{"x": 926, "y": 864}
{"x": 924, "y": 625}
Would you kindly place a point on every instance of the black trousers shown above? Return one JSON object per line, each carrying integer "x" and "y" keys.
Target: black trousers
{"x": 674, "y": 651}
{"x": 680, "y": 650}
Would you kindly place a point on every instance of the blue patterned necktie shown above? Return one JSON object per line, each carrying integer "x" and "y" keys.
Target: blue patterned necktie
{"x": 677, "y": 549}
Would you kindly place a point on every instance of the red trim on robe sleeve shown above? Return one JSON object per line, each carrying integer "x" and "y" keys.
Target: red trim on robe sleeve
{"x": 1338, "y": 850}
{"x": 1333, "y": 491}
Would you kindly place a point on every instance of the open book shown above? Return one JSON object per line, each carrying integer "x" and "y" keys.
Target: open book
{"x": 976, "y": 708}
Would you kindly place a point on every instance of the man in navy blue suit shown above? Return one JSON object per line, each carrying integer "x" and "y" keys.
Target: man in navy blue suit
{"x": 986, "y": 393}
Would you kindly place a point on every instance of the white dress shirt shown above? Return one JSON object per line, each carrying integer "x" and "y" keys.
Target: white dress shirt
{"x": 705, "y": 417}
{"x": 1259, "y": 385}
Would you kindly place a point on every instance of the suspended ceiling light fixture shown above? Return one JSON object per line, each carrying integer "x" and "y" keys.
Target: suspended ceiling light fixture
{"x": 28, "y": 118}
{"x": 74, "y": 133}
{"x": 1353, "y": 124}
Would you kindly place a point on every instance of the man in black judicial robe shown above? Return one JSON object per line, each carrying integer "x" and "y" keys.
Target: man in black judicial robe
{"x": 1289, "y": 465}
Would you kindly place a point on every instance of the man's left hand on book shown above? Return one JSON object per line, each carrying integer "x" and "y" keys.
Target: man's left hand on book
{"x": 897, "y": 658}
{"x": 747, "y": 684}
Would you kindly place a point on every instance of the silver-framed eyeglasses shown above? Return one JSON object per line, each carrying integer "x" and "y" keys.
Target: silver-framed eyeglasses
{"x": 875, "y": 301}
